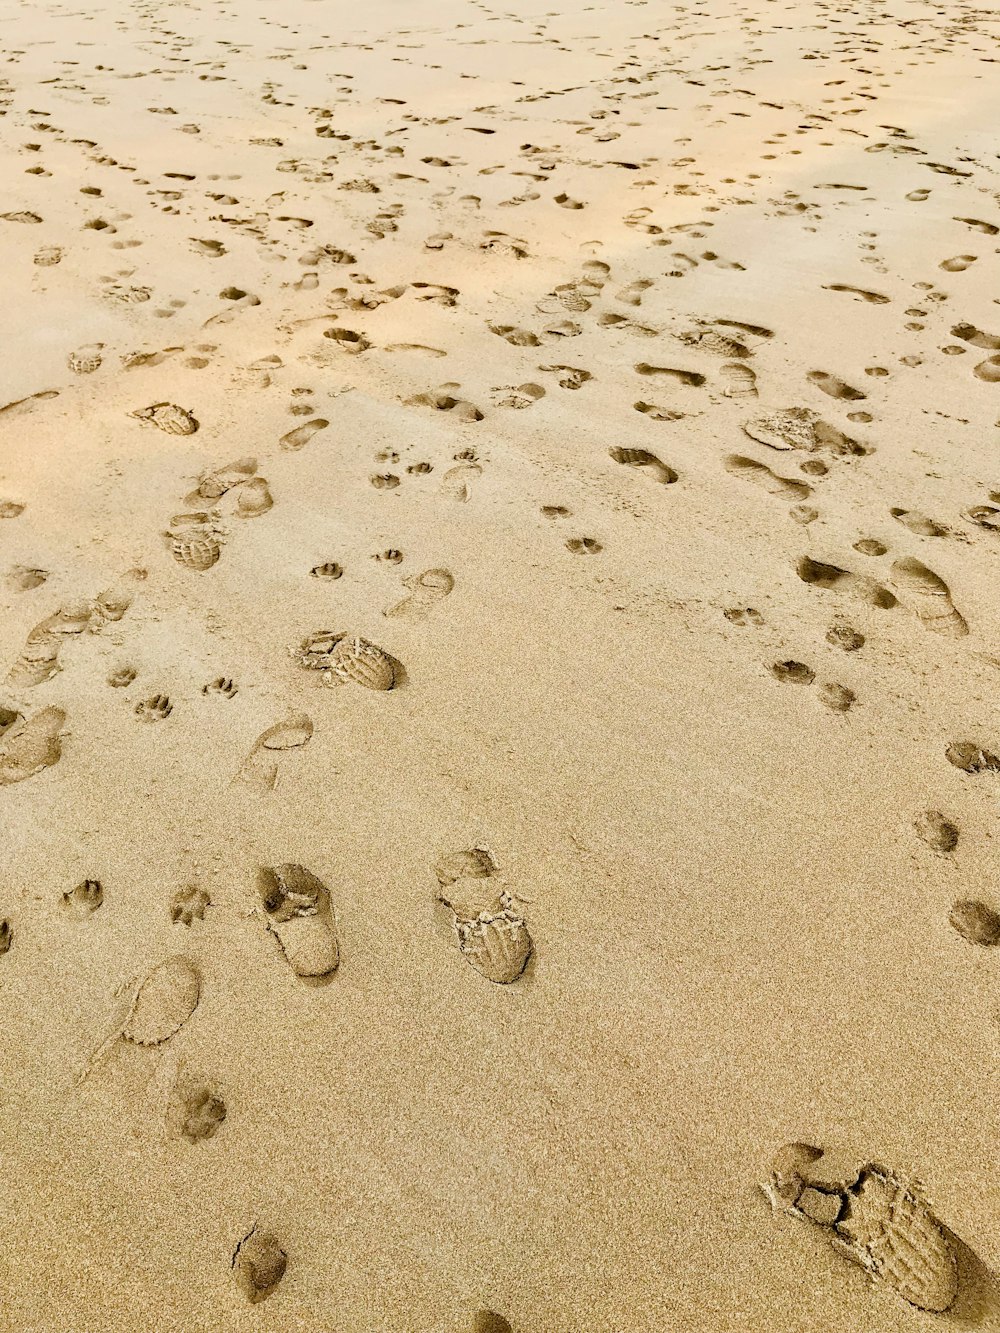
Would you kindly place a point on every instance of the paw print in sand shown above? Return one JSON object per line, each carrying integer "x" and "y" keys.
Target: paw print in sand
{"x": 154, "y": 709}
{"x": 188, "y": 905}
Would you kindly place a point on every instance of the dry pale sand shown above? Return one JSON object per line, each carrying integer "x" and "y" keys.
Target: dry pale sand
{"x": 616, "y": 369}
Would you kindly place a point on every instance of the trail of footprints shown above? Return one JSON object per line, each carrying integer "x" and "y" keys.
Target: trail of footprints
{"x": 707, "y": 365}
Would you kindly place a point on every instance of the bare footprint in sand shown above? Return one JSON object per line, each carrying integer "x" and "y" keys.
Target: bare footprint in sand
{"x": 491, "y": 933}
{"x": 929, "y": 597}
{"x": 860, "y": 586}
{"x": 642, "y": 460}
{"x": 258, "y": 1265}
{"x": 301, "y": 435}
{"x": 299, "y": 914}
{"x": 154, "y": 1009}
{"x": 761, "y": 475}
{"x": 834, "y": 387}
{"x": 32, "y": 746}
{"x": 426, "y": 590}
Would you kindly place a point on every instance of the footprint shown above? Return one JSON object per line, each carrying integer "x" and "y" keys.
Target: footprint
{"x": 425, "y": 591}
{"x": 299, "y": 914}
{"x": 859, "y": 586}
{"x": 155, "y": 709}
{"x": 761, "y": 475}
{"x": 168, "y": 417}
{"x": 929, "y": 597}
{"x": 972, "y": 758}
{"x": 833, "y": 387}
{"x": 222, "y": 685}
{"x": 800, "y": 428}
{"x": 988, "y": 370}
{"x": 739, "y": 380}
{"x": 743, "y": 615}
{"x": 31, "y": 747}
{"x": 253, "y": 498}
{"x": 517, "y": 396}
{"x": 793, "y": 673}
{"x": 632, "y": 293}
{"x": 711, "y": 340}
{"x": 957, "y": 264}
{"x": 691, "y": 379}
{"x": 214, "y": 484}
{"x": 330, "y": 570}
{"x": 873, "y": 298}
{"x": 23, "y": 578}
{"x": 488, "y": 1321}
{"x": 838, "y": 698}
{"x": 570, "y": 377}
{"x": 260, "y": 768}
{"x": 854, "y": 1201}
{"x": 657, "y": 413}
{"x": 918, "y": 523}
{"x": 155, "y": 1009}
{"x": 188, "y": 905}
{"x": 646, "y": 462}
{"x": 516, "y": 337}
{"x": 195, "y": 1110}
{"x": 121, "y": 677}
{"x": 987, "y": 228}
{"x": 195, "y": 540}
{"x": 456, "y": 481}
{"x": 491, "y": 933}
{"x": 82, "y": 901}
{"x": 301, "y": 435}
{"x": 584, "y": 546}
{"x": 442, "y": 401}
{"x": 937, "y": 832}
{"x": 258, "y": 1265}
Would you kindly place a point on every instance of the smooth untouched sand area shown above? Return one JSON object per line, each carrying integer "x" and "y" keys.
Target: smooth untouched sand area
{"x": 499, "y": 530}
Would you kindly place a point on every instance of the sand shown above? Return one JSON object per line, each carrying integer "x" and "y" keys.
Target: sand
{"x": 619, "y": 384}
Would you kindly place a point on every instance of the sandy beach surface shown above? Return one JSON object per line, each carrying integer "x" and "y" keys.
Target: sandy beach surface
{"x": 500, "y": 529}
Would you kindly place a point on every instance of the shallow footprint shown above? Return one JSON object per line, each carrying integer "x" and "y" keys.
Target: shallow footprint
{"x": 861, "y": 586}
{"x": 260, "y": 768}
{"x": 929, "y": 597}
{"x": 426, "y": 590}
{"x": 34, "y": 746}
{"x": 761, "y": 475}
{"x": 301, "y": 435}
{"x": 299, "y": 914}
{"x": 834, "y": 387}
{"x": 457, "y": 481}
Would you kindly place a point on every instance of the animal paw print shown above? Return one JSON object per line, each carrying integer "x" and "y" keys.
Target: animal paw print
{"x": 188, "y": 905}
{"x": 584, "y": 545}
{"x": 122, "y": 677}
{"x": 221, "y": 685}
{"x": 155, "y": 709}
{"x": 84, "y": 899}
